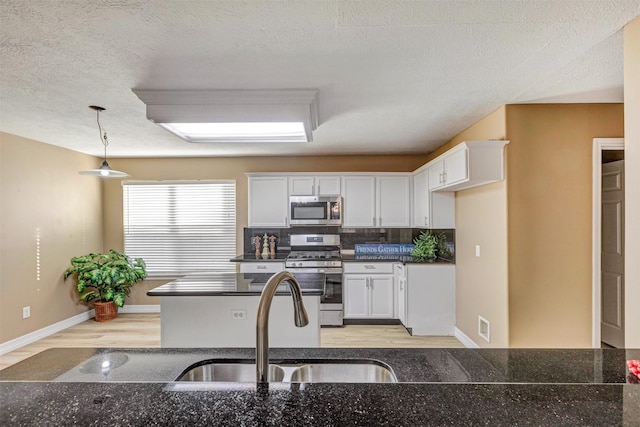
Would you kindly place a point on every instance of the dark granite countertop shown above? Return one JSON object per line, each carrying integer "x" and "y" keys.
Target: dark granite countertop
{"x": 437, "y": 387}
{"x": 251, "y": 257}
{"x": 346, "y": 257}
{"x": 234, "y": 284}
{"x": 405, "y": 259}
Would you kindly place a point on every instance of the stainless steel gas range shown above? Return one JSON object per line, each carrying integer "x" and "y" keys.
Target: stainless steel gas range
{"x": 320, "y": 253}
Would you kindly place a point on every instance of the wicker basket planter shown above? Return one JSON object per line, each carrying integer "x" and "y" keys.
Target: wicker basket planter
{"x": 105, "y": 311}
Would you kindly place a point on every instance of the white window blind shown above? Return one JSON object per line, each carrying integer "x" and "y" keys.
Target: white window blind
{"x": 180, "y": 227}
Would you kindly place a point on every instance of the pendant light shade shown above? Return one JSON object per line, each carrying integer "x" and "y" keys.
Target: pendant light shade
{"x": 104, "y": 171}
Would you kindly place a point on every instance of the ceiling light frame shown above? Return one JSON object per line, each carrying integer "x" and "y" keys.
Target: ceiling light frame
{"x": 167, "y": 107}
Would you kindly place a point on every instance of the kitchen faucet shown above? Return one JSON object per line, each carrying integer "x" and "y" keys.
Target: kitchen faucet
{"x": 262, "y": 322}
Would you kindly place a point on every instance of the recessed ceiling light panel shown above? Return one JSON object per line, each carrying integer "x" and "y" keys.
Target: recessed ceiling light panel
{"x": 234, "y": 115}
{"x": 239, "y": 132}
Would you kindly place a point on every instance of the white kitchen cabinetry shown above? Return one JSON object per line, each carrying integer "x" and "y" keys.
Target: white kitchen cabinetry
{"x": 328, "y": 185}
{"x": 376, "y": 201}
{"x": 467, "y": 165}
{"x": 359, "y": 201}
{"x": 368, "y": 291}
{"x": 393, "y": 201}
{"x": 314, "y": 185}
{"x": 430, "y": 296}
{"x": 431, "y": 209}
{"x": 450, "y": 168}
{"x": 400, "y": 276}
{"x": 268, "y": 201}
{"x": 261, "y": 267}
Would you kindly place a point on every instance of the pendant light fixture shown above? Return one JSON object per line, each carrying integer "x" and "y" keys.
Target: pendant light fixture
{"x": 104, "y": 171}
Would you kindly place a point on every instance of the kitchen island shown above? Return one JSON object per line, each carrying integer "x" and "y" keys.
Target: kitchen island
{"x": 436, "y": 387}
{"x": 219, "y": 310}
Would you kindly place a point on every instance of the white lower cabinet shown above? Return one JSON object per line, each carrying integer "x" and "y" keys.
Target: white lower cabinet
{"x": 400, "y": 277}
{"x": 368, "y": 295}
{"x": 429, "y": 299}
{"x": 261, "y": 267}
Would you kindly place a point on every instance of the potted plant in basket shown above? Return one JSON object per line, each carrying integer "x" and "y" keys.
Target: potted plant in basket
{"x": 105, "y": 280}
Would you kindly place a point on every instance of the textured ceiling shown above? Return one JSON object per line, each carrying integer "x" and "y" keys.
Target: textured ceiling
{"x": 393, "y": 76}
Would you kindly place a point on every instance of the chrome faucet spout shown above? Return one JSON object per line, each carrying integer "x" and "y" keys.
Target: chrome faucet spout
{"x": 262, "y": 322}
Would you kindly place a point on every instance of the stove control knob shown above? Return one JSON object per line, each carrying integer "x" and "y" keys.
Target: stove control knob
{"x": 299, "y": 264}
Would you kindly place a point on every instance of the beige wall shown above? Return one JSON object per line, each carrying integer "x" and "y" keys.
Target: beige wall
{"x": 549, "y": 219}
{"x": 632, "y": 178}
{"x": 229, "y": 168}
{"x": 42, "y": 194}
{"x": 481, "y": 219}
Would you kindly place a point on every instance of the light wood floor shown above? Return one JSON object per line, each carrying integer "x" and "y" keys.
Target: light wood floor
{"x": 143, "y": 330}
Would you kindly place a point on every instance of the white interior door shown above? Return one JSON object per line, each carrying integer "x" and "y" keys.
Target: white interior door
{"x": 612, "y": 256}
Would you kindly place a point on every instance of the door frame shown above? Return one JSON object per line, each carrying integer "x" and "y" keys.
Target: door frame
{"x": 599, "y": 145}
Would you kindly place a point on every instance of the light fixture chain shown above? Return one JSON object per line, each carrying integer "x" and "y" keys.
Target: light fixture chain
{"x": 103, "y": 135}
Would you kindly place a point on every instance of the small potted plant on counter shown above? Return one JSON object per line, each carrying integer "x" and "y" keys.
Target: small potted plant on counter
{"x": 105, "y": 280}
{"x": 429, "y": 246}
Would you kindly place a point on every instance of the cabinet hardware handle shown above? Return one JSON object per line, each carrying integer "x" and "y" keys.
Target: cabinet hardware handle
{"x": 261, "y": 267}
{"x": 369, "y": 267}
{"x": 426, "y": 220}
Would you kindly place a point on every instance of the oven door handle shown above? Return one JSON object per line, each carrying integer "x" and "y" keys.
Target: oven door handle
{"x": 331, "y": 270}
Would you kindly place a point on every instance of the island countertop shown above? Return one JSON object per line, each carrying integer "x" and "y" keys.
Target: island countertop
{"x": 234, "y": 284}
{"x": 437, "y": 387}
{"x": 279, "y": 256}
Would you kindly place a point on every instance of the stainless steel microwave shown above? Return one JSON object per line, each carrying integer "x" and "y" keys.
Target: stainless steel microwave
{"x": 315, "y": 210}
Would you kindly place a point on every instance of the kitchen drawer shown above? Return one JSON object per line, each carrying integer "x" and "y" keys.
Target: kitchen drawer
{"x": 368, "y": 267}
{"x": 261, "y": 267}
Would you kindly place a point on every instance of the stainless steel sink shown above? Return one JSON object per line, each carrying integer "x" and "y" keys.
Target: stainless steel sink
{"x": 292, "y": 371}
{"x": 229, "y": 372}
{"x": 342, "y": 373}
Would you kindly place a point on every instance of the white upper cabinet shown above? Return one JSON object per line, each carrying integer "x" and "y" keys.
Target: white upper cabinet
{"x": 301, "y": 186}
{"x": 451, "y": 169}
{"x": 376, "y": 201}
{"x": 431, "y": 209}
{"x": 328, "y": 185}
{"x": 393, "y": 201}
{"x": 314, "y": 185}
{"x": 468, "y": 165}
{"x": 359, "y": 207}
{"x": 268, "y": 201}
{"x": 421, "y": 213}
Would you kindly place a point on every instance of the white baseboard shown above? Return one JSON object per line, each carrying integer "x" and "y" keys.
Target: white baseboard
{"x": 142, "y": 308}
{"x": 464, "y": 339}
{"x": 34, "y": 336}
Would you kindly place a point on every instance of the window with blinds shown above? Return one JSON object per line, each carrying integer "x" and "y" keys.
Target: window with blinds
{"x": 180, "y": 227}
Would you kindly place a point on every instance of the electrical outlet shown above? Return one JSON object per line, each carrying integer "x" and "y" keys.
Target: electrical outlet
{"x": 477, "y": 250}
{"x": 239, "y": 314}
{"x": 26, "y": 312}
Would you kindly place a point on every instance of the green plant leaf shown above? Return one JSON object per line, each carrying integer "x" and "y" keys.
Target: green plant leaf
{"x": 89, "y": 295}
{"x": 426, "y": 245}
{"x": 118, "y": 299}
